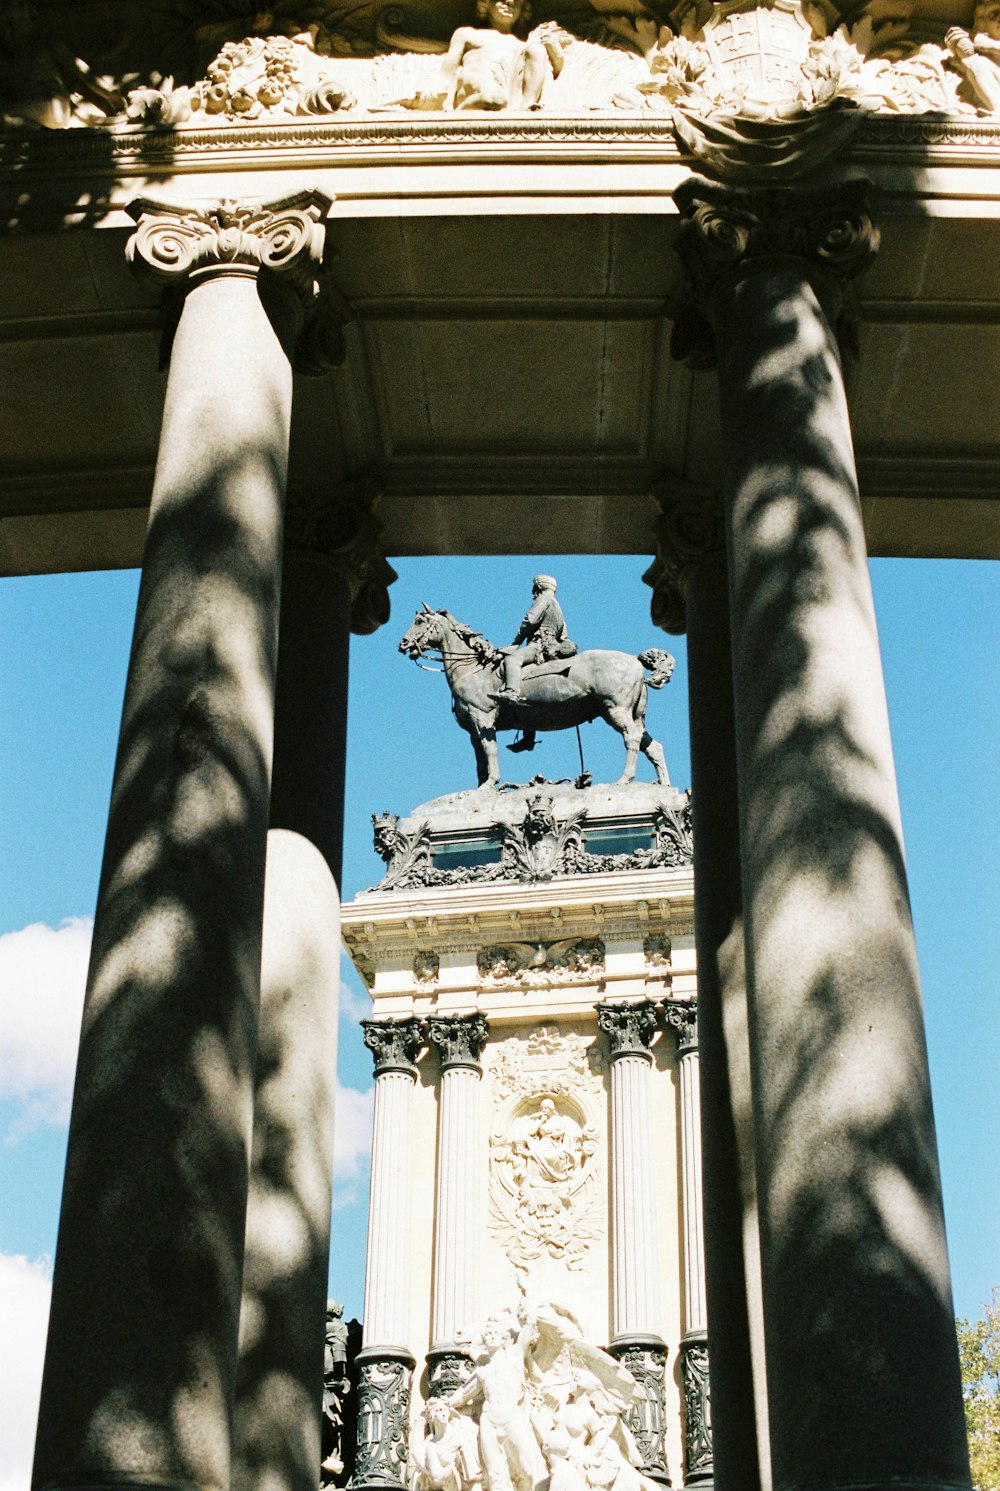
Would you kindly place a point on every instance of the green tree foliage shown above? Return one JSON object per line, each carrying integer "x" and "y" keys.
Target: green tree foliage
{"x": 979, "y": 1344}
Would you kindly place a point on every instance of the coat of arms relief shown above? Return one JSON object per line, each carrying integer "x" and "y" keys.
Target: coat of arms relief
{"x": 545, "y": 1168}
{"x": 733, "y": 63}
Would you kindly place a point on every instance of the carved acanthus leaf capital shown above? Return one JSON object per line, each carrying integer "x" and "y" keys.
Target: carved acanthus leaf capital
{"x": 177, "y": 246}
{"x": 459, "y": 1038}
{"x": 394, "y": 1044}
{"x": 726, "y": 235}
{"x": 628, "y": 1027}
{"x": 344, "y": 532}
{"x": 681, "y": 1015}
{"x": 690, "y": 532}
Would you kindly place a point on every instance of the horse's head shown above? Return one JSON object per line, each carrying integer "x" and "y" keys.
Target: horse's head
{"x": 426, "y": 631}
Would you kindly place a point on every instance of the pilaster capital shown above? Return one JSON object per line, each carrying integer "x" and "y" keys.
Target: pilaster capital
{"x": 343, "y": 532}
{"x": 628, "y": 1027}
{"x": 681, "y": 1015}
{"x": 459, "y": 1038}
{"x": 394, "y": 1044}
{"x": 826, "y": 234}
{"x": 690, "y": 532}
{"x": 177, "y": 246}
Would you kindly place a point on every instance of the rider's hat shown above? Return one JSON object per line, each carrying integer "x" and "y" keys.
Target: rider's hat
{"x": 543, "y": 582}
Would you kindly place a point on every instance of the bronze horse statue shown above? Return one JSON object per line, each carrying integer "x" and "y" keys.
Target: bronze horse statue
{"x": 592, "y": 685}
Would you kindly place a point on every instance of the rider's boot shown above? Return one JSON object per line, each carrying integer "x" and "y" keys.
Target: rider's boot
{"x": 510, "y": 696}
{"x": 526, "y": 743}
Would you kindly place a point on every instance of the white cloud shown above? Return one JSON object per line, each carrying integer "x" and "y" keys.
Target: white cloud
{"x": 43, "y": 972}
{"x": 25, "y": 1291}
{"x": 352, "y": 1134}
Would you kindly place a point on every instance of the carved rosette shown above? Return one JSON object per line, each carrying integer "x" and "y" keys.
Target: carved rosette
{"x": 394, "y": 1044}
{"x": 628, "y": 1027}
{"x": 447, "y": 1371}
{"x": 383, "y": 1417}
{"x": 689, "y": 534}
{"x": 681, "y": 1015}
{"x": 827, "y": 235}
{"x": 646, "y": 1415}
{"x": 344, "y": 533}
{"x": 697, "y": 1410}
{"x": 426, "y": 967}
{"x": 459, "y": 1038}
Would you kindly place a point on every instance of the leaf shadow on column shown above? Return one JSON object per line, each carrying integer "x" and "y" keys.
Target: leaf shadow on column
{"x": 855, "y": 1276}
{"x": 148, "y": 1276}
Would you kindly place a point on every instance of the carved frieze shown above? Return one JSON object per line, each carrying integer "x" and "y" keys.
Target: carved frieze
{"x": 749, "y": 87}
{"x": 656, "y": 954}
{"x": 541, "y": 963}
{"x": 544, "y": 1170}
{"x": 540, "y": 847}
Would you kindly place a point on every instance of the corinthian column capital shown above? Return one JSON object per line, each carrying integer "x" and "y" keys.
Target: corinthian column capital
{"x": 628, "y": 1027}
{"x": 827, "y": 235}
{"x": 173, "y": 244}
{"x": 343, "y": 532}
{"x": 690, "y": 532}
{"x": 459, "y": 1039}
{"x": 394, "y": 1044}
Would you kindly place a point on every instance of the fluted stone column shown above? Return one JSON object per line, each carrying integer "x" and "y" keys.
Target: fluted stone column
{"x": 460, "y": 1040}
{"x": 690, "y": 592}
{"x": 862, "y": 1366}
{"x": 682, "y": 1017}
{"x": 385, "y": 1362}
{"x": 140, "y": 1367}
{"x": 635, "y": 1281}
{"x": 334, "y": 581}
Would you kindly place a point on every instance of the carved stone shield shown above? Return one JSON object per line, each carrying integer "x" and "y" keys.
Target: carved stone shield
{"x": 759, "y": 49}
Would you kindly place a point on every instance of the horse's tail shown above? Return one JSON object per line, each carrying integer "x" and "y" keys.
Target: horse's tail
{"x": 660, "y": 665}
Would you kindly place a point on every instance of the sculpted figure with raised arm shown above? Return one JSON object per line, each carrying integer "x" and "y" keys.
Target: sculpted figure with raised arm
{"x": 494, "y": 69}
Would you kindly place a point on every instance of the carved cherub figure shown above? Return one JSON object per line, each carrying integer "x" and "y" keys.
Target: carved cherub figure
{"x": 977, "y": 55}
{"x": 489, "y": 67}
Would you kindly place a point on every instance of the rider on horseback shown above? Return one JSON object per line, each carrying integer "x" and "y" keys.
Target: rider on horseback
{"x": 543, "y": 633}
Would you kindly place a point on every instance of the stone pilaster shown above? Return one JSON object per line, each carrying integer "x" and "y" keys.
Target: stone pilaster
{"x": 386, "y": 1364}
{"x": 140, "y": 1373}
{"x": 635, "y": 1310}
{"x": 844, "y": 1146}
{"x": 459, "y": 1040}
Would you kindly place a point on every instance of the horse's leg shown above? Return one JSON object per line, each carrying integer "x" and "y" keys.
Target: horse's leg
{"x": 621, "y": 718}
{"x": 482, "y": 765}
{"x": 653, "y": 751}
{"x": 484, "y": 738}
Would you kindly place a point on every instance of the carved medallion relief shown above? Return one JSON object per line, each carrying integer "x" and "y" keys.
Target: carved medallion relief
{"x": 545, "y": 1190}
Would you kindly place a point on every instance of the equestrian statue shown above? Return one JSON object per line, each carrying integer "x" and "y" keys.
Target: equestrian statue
{"x": 541, "y": 682}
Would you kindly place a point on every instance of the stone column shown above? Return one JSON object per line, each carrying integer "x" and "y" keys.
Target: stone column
{"x": 141, "y": 1359}
{"x": 862, "y": 1365}
{"x": 683, "y": 1018}
{"x": 386, "y": 1364}
{"x": 635, "y": 1281}
{"x": 334, "y": 581}
{"x": 690, "y": 591}
{"x": 459, "y": 1039}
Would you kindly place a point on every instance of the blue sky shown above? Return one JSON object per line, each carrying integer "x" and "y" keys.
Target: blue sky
{"x": 65, "y": 650}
